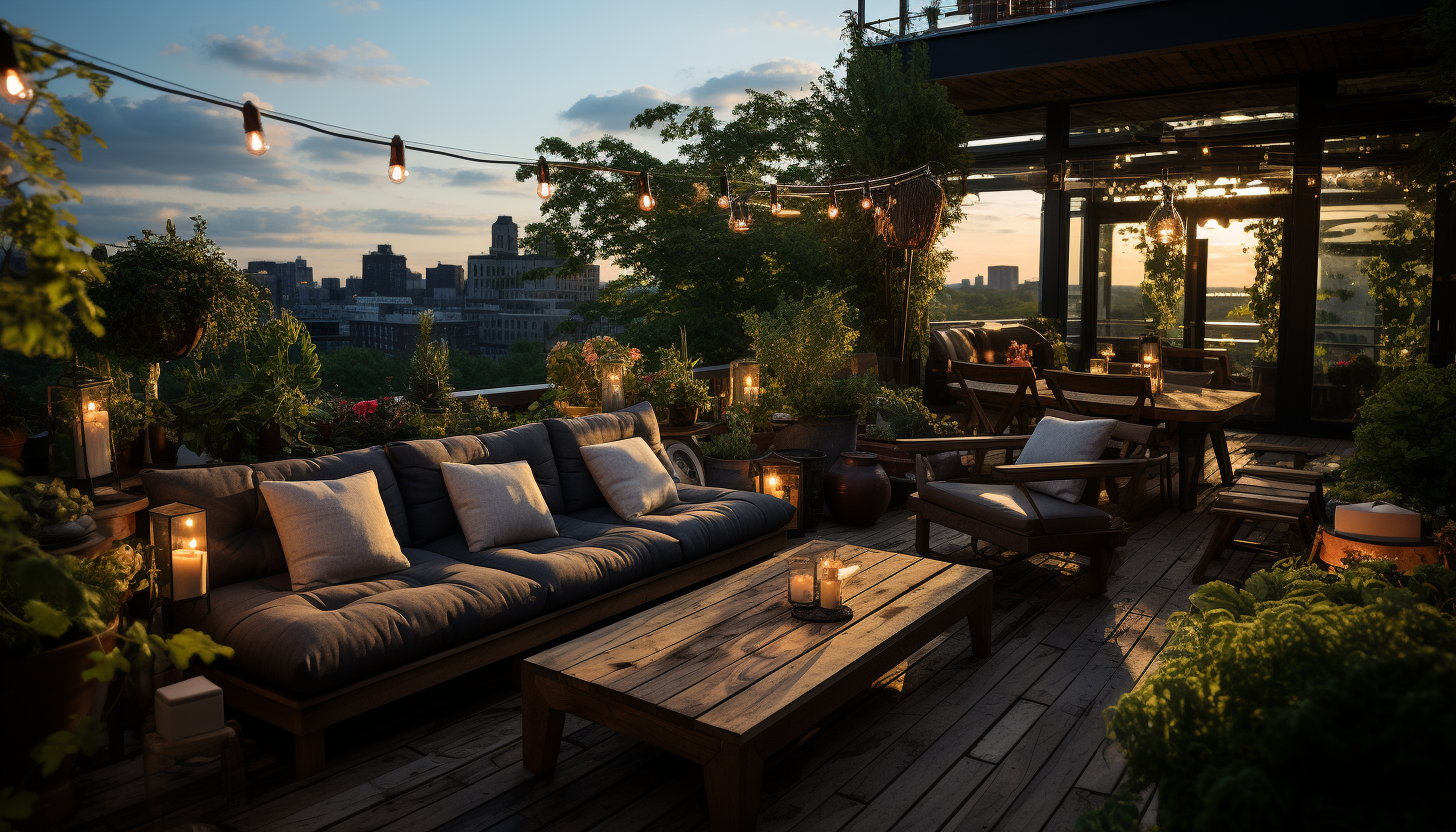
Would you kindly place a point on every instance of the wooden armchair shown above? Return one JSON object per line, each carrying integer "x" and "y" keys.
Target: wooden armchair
{"x": 1017, "y": 414}
{"x": 1008, "y": 514}
{"x": 1135, "y": 391}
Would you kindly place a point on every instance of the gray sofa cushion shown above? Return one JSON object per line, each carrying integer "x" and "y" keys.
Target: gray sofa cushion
{"x": 307, "y": 642}
{"x": 237, "y": 549}
{"x": 422, "y": 487}
{"x": 571, "y": 568}
{"x": 707, "y": 520}
{"x": 528, "y": 443}
{"x": 578, "y": 489}
{"x": 336, "y": 467}
{"x": 1006, "y": 506}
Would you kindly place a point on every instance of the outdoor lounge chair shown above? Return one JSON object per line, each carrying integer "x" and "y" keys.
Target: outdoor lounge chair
{"x": 1017, "y": 414}
{"x": 1005, "y": 512}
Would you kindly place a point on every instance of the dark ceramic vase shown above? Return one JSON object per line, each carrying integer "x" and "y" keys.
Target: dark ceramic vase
{"x": 857, "y": 489}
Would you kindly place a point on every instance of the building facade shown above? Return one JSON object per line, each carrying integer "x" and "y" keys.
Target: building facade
{"x": 1003, "y": 277}
{"x": 515, "y": 296}
{"x": 385, "y": 273}
{"x": 444, "y": 278}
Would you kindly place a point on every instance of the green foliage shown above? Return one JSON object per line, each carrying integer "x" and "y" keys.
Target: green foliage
{"x": 681, "y": 265}
{"x": 1051, "y": 330}
{"x": 264, "y": 381}
{"x": 673, "y": 383}
{"x": 52, "y": 502}
{"x": 361, "y": 372}
{"x": 131, "y": 415}
{"x": 737, "y": 443}
{"x": 800, "y": 343}
{"x": 46, "y": 600}
{"x": 1162, "y": 286}
{"x": 162, "y": 287}
{"x": 982, "y": 303}
{"x": 1269, "y": 702}
{"x": 41, "y": 300}
{"x": 1399, "y": 275}
{"x": 429, "y": 373}
{"x": 1263, "y": 292}
{"x": 901, "y": 414}
{"x": 1405, "y": 449}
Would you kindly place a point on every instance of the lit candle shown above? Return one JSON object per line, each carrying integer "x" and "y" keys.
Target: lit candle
{"x": 829, "y": 591}
{"x": 189, "y": 571}
{"x": 95, "y": 426}
{"x": 774, "y": 487}
{"x": 801, "y": 589}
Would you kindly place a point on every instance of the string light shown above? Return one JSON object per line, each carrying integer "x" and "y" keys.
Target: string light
{"x": 17, "y": 86}
{"x": 773, "y": 201}
{"x": 725, "y": 192}
{"x": 1205, "y": 150}
{"x": 645, "y": 201}
{"x": 833, "y": 205}
{"x": 738, "y": 217}
{"x": 397, "y": 173}
{"x": 544, "y": 188}
{"x": 865, "y": 201}
{"x": 253, "y": 138}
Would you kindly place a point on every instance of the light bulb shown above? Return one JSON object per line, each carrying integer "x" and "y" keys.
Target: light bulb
{"x": 725, "y": 194}
{"x": 773, "y": 201}
{"x": 397, "y": 173}
{"x": 17, "y": 90}
{"x": 253, "y": 138}
{"x": 644, "y": 192}
{"x": 833, "y": 211}
{"x": 865, "y": 202}
{"x": 724, "y": 202}
{"x": 544, "y": 188}
{"x": 189, "y": 522}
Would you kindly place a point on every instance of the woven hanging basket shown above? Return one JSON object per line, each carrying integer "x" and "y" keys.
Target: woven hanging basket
{"x": 911, "y": 216}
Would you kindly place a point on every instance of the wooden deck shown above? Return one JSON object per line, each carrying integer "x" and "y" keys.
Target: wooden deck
{"x": 946, "y": 741}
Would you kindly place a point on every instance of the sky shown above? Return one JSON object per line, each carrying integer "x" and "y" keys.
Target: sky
{"x": 487, "y": 76}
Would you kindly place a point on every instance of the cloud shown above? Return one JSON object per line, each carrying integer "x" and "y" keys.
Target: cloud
{"x": 613, "y": 111}
{"x": 785, "y": 74}
{"x": 264, "y": 54}
{"x": 781, "y": 20}
{"x": 173, "y": 48}
{"x": 352, "y": 6}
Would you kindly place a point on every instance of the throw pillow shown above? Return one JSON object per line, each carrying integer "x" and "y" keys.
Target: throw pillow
{"x": 1060, "y": 440}
{"x": 333, "y": 531}
{"x": 498, "y": 504}
{"x": 630, "y": 476}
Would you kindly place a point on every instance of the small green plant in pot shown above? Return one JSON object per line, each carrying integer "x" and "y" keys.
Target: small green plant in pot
{"x": 676, "y": 393}
{"x": 900, "y": 414}
{"x": 729, "y": 455}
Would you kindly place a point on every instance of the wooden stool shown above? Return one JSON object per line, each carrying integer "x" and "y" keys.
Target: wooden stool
{"x": 1294, "y": 479}
{"x": 1235, "y": 506}
{"x": 158, "y": 754}
{"x": 1299, "y": 453}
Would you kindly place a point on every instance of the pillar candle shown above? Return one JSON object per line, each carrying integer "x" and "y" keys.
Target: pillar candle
{"x": 189, "y": 572}
{"x": 95, "y": 461}
{"x": 829, "y": 592}
{"x": 801, "y": 589}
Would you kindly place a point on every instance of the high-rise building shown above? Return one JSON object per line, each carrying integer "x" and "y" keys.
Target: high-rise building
{"x": 980, "y": 280}
{"x": 503, "y": 236}
{"x": 291, "y": 280}
{"x": 385, "y": 273}
{"x": 1003, "y": 277}
{"x": 965, "y": 283}
{"x": 444, "y": 277}
{"x": 523, "y": 296}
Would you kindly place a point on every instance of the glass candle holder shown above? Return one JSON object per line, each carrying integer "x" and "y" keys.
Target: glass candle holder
{"x": 179, "y": 537}
{"x": 613, "y": 385}
{"x": 1097, "y": 367}
{"x": 803, "y": 580}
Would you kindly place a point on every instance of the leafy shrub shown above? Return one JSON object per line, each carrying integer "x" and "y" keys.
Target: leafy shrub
{"x": 1405, "y": 448}
{"x": 674, "y": 384}
{"x": 737, "y": 443}
{"x": 1307, "y": 701}
{"x": 801, "y": 343}
{"x": 900, "y": 414}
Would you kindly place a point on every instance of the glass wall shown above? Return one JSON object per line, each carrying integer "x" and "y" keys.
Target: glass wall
{"x": 1241, "y": 306}
{"x": 997, "y": 268}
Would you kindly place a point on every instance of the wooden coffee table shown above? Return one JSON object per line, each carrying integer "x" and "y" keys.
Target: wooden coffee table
{"x": 724, "y": 675}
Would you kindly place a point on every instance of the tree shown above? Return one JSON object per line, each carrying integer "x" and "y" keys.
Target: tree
{"x": 361, "y": 372}
{"x": 1400, "y": 281}
{"x": 45, "y": 271}
{"x": 682, "y": 266}
{"x": 429, "y": 372}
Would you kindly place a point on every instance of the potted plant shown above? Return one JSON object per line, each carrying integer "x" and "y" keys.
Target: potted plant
{"x": 674, "y": 390}
{"x": 900, "y": 414}
{"x": 429, "y": 373}
{"x": 728, "y": 457}
{"x": 572, "y": 370}
{"x": 14, "y": 428}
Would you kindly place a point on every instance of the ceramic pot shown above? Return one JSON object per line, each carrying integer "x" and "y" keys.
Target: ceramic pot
{"x": 12, "y": 443}
{"x": 857, "y": 489}
{"x": 729, "y": 473}
{"x": 830, "y": 436}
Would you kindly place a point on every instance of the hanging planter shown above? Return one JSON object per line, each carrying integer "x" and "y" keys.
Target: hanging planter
{"x": 911, "y": 215}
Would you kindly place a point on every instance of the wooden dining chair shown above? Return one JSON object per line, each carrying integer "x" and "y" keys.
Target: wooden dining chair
{"x": 1133, "y": 392}
{"x": 1016, "y": 414}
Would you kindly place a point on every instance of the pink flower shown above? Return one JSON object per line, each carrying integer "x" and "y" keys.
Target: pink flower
{"x": 366, "y": 408}
{"x": 636, "y": 354}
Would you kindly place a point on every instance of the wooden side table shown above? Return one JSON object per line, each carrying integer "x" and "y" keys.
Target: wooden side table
{"x": 158, "y": 754}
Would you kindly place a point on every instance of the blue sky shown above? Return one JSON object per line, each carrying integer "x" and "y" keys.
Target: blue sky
{"x": 490, "y": 76}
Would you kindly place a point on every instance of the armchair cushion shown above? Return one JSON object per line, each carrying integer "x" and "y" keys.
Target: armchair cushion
{"x": 1059, "y": 440}
{"x": 1005, "y": 505}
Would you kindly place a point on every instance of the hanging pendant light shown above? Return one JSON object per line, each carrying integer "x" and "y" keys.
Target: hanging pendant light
{"x": 397, "y": 173}
{"x": 645, "y": 200}
{"x": 544, "y": 188}
{"x": 1164, "y": 225}
{"x": 866, "y": 202}
{"x": 833, "y": 205}
{"x": 17, "y": 88}
{"x": 253, "y": 138}
{"x": 725, "y": 194}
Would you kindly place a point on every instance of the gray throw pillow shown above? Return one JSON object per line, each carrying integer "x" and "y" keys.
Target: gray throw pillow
{"x": 1060, "y": 440}
{"x": 630, "y": 476}
{"x": 498, "y": 504}
{"x": 333, "y": 531}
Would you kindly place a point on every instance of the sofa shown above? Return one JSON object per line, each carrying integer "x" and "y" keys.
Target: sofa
{"x": 306, "y": 660}
{"x": 977, "y": 344}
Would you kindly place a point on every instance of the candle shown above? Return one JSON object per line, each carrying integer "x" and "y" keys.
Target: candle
{"x": 1098, "y": 367}
{"x": 95, "y": 426}
{"x": 801, "y": 589}
{"x": 189, "y": 571}
{"x": 775, "y": 487}
{"x": 829, "y": 592}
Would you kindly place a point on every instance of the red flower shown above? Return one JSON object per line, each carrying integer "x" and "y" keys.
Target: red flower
{"x": 366, "y": 408}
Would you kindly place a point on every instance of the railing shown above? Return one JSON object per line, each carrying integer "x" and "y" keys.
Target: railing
{"x": 964, "y": 14}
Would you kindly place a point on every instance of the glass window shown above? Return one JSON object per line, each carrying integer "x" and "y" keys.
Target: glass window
{"x": 995, "y": 275}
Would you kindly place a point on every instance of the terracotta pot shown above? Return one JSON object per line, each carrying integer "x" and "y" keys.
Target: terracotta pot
{"x": 46, "y": 690}
{"x": 857, "y": 489}
{"x": 12, "y": 443}
{"x": 729, "y": 473}
{"x": 682, "y": 416}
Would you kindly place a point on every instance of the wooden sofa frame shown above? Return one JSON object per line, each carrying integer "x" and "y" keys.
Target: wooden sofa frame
{"x": 306, "y": 717}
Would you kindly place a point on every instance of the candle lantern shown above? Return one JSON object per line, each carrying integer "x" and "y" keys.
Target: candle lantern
{"x": 745, "y": 382}
{"x": 80, "y": 399}
{"x": 1098, "y": 367}
{"x": 1150, "y": 355}
{"x": 782, "y": 477}
{"x": 811, "y": 479}
{"x": 179, "y": 541}
{"x": 803, "y": 580}
{"x": 613, "y": 395}
{"x": 1106, "y": 351}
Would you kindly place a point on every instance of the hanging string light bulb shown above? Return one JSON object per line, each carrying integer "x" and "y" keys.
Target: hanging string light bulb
{"x": 738, "y": 218}
{"x": 645, "y": 200}
{"x": 17, "y": 89}
{"x": 397, "y": 173}
{"x": 725, "y": 193}
{"x": 833, "y": 205}
{"x": 544, "y": 188}
{"x": 774, "y": 207}
{"x": 253, "y": 138}
{"x": 1164, "y": 225}
{"x": 865, "y": 201}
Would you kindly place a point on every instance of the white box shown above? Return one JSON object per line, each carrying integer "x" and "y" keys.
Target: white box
{"x": 189, "y": 708}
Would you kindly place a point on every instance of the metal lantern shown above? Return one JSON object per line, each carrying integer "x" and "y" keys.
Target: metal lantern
{"x": 179, "y": 540}
{"x": 783, "y": 477}
{"x": 811, "y": 470}
{"x": 613, "y": 385}
{"x": 1150, "y": 356}
{"x": 80, "y": 398}
{"x": 744, "y": 382}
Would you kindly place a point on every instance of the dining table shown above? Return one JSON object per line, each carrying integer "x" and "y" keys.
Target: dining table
{"x": 1192, "y": 413}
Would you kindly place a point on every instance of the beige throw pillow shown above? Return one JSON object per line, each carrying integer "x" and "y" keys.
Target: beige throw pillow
{"x": 333, "y": 530}
{"x": 630, "y": 476}
{"x": 1062, "y": 440}
{"x": 498, "y": 504}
